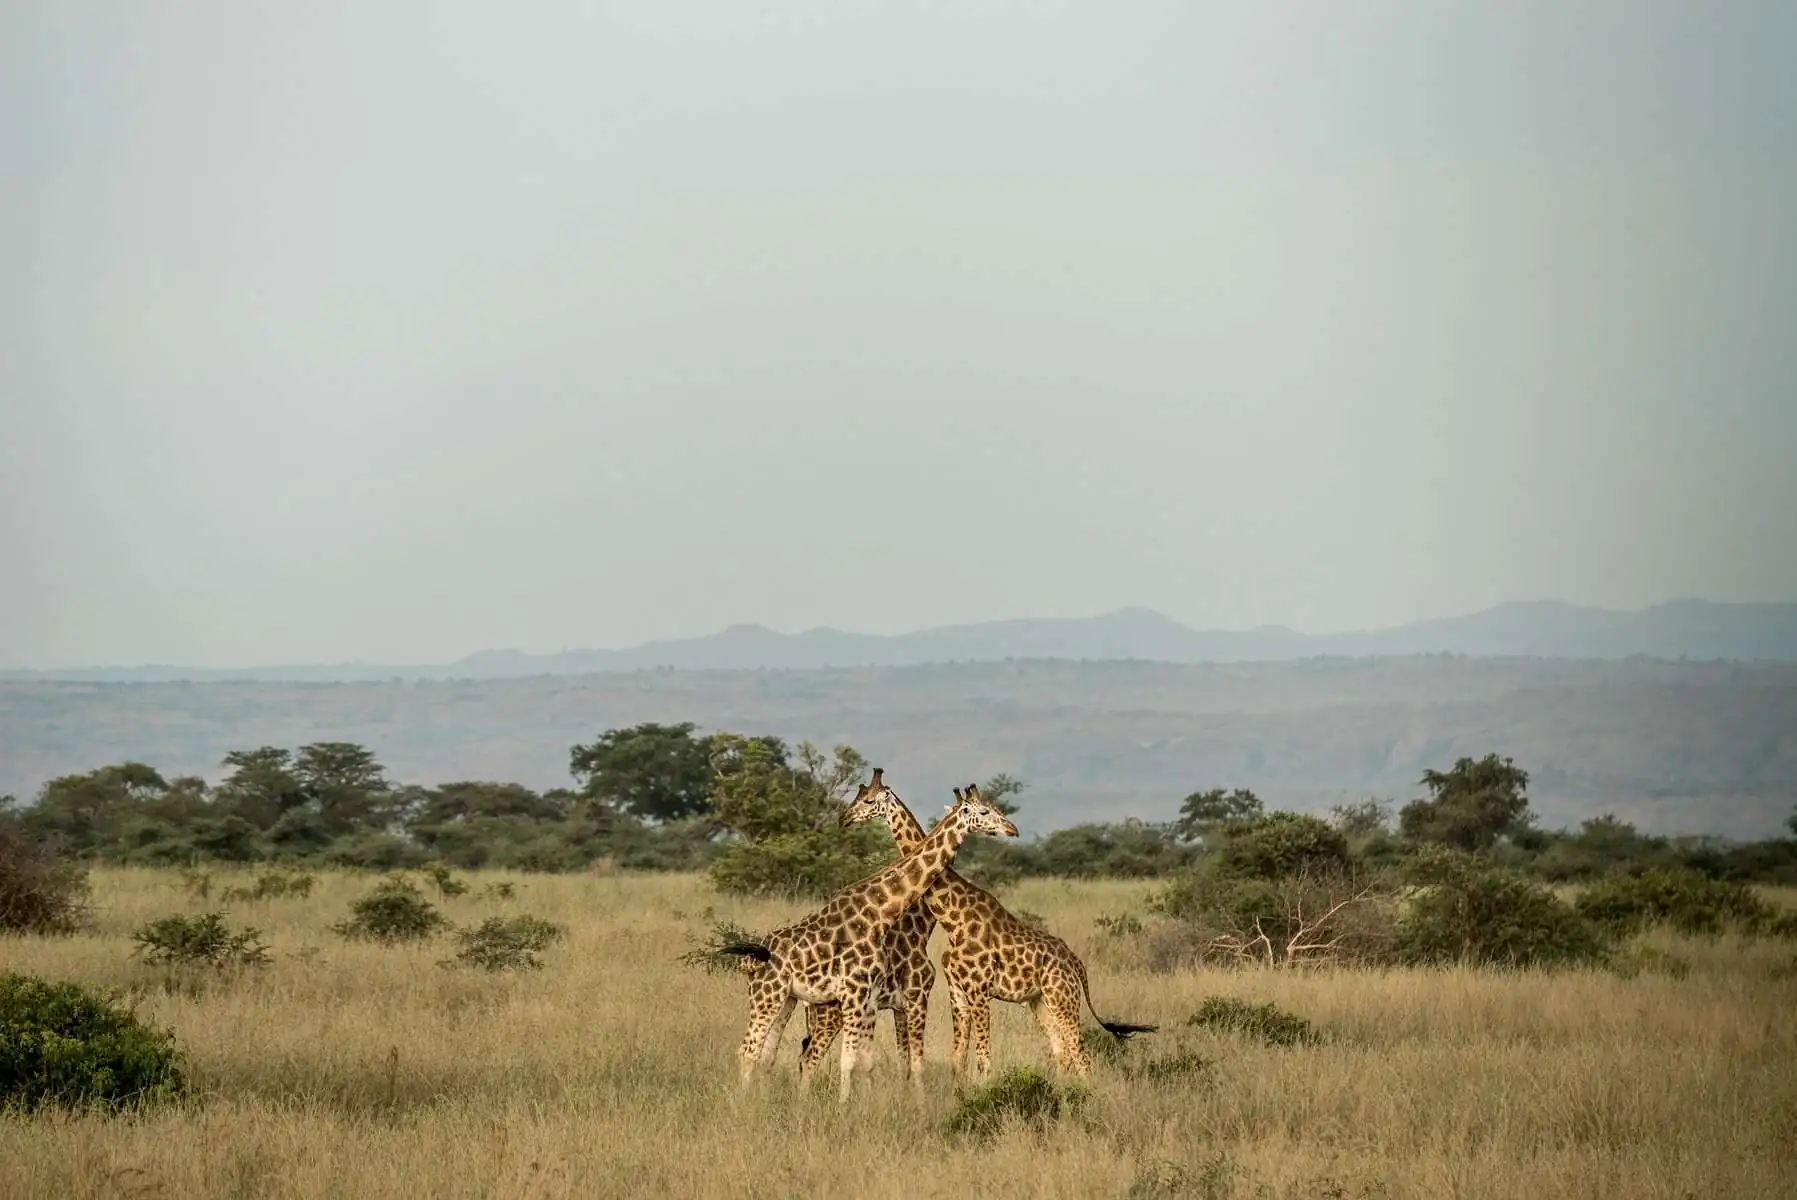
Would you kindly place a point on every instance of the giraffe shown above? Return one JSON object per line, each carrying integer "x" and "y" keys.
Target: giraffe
{"x": 906, "y": 977}
{"x": 991, "y": 955}
{"x": 836, "y": 955}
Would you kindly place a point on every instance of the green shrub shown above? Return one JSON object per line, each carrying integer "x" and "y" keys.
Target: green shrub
{"x": 396, "y": 911}
{"x": 199, "y": 941}
{"x": 1687, "y": 900}
{"x": 1280, "y": 843}
{"x": 1022, "y": 1095}
{"x": 506, "y": 943}
{"x": 447, "y": 884}
{"x": 63, "y": 1045}
{"x": 1266, "y": 1023}
{"x": 807, "y": 864}
{"x": 38, "y": 894}
{"x": 1460, "y": 908}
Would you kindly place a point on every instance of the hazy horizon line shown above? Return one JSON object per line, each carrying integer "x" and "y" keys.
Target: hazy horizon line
{"x": 1539, "y": 602}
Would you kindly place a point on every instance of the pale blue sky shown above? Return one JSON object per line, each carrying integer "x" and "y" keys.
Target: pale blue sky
{"x": 337, "y": 331}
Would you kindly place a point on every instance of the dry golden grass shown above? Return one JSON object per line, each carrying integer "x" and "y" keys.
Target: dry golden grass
{"x": 351, "y": 1070}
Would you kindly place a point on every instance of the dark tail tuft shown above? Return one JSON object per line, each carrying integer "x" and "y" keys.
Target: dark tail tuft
{"x": 729, "y": 948}
{"x": 1122, "y": 1029}
{"x": 754, "y": 950}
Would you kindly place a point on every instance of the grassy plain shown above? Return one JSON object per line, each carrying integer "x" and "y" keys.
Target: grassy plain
{"x": 351, "y": 1070}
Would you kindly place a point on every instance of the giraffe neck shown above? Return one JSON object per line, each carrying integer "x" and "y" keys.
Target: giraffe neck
{"x": 916, "y": 873}
{"x": 907, "y": 832}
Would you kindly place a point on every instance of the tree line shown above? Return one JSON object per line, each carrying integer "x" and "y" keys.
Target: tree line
{"x": 760, "y": 816}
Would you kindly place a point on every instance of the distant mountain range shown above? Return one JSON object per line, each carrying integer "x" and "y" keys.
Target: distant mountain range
{"x": 1690, "y": 629}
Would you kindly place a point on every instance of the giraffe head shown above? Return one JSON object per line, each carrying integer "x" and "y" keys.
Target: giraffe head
{"x": 870, "y": 801}
{"x": 978, "y": 814}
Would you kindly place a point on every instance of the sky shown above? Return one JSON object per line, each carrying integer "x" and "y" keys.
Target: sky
{"x": 355, "y": 331}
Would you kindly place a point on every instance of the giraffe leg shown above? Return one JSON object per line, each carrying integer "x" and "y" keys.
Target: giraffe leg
{"x": 857, "y": 1039}
{"x": 770, "y": 1007}
{"x": 1057, "y": 1012}
{"x": 917, "y": 1011}
{"x": 979, "y": 1034}
{"x": 825, "y": 1021}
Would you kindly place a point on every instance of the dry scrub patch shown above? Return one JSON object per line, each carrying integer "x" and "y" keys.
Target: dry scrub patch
{"x": 348, "y": 1068}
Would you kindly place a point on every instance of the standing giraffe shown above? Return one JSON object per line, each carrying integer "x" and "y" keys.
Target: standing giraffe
{"x": 906, "y": 977}
{"x": 990, "y": 955}
{"x": 837, "y": 953}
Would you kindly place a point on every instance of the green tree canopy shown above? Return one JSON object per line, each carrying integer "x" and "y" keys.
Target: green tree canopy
{"x": 1280, "y": 843}
{"x": 1470, "y": 806}
{"x": 652, "y": 771}
{"x": 784, "y": 815}
{"x": 85, "y": 811}
{"x": 1201, "y": 814}
{"x": 346, "y": 785}
{"x": 261, "y": 787}
{"x": 467, "y": 800}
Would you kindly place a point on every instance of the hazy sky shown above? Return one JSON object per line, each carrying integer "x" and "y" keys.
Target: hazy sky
{"x": 336, "y": 331}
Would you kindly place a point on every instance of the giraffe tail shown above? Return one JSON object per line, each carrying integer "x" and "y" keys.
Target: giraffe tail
{"x": 1120, "y": 1030}
{"x": 754, "y": 950}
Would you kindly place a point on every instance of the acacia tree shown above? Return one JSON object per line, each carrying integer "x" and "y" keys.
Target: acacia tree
{"x": 261, "y": 787}
{"x": 1470, "y": 806}
{"x": 997, "y": 792}
{"x": 1202, "y": 814}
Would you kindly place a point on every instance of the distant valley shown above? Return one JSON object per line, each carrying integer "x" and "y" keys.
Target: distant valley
{"x": 1689, "y": 746}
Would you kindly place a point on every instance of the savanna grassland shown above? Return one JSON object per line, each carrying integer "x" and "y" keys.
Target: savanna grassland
{"x": 348, "y": 1069}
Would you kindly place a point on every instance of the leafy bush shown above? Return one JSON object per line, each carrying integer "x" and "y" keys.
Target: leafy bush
{"x": 447, "y": 884}
{"x": 396, "y": 911}
{"x": 1687, "y": 900}
{"x": 1460, "y": 908}
{"x": 202, "y": 941}
{"x": 1129, "y": 849}
{"x": 1022, "y": 1095}
{"x": 61, "y": 1044}
{"x": 1265, "y": 1023}
{"x": 38, "y": 894}
{"x": 807, "y": 864}
{"x": 1281, "y": 843}
{"x": 506, "y": 943}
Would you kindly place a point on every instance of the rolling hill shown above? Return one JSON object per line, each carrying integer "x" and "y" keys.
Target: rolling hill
{"x": 1693, "y": 629}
